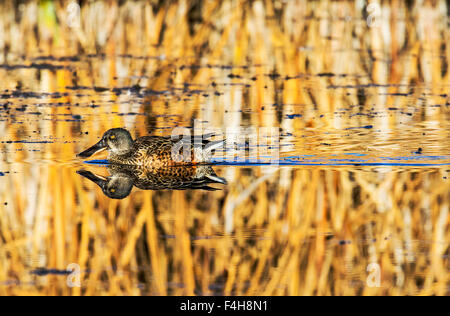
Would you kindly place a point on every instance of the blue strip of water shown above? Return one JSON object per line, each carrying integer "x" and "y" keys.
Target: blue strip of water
{"x": 307, "y": 160}
{"x": 102, "y": 162}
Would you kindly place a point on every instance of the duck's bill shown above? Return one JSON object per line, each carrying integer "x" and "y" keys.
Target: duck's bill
{"x": 99, "y": 180}
{"x": 100, "y": 146}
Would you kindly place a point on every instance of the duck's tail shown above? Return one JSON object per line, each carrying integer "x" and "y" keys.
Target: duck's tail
{"x": 201, "y": 146}
{"x": 204, "y": 149}
{"x": 213, "y": 145}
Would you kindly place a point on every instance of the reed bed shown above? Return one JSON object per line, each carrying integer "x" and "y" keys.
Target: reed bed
{"x": 283, "y": 231}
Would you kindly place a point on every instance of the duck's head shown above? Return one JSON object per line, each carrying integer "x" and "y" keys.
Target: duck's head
{"x": 117, "y": 140}
{"x": 117, "y": 186}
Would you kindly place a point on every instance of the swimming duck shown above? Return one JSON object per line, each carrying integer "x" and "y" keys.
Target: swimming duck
{"x": 123, "y": 177}
{"x": 153, "y": 151}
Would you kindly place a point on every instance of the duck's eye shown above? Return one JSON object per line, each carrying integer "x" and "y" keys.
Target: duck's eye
{"x": 112, "y": 137}
{"x": 112, "y": 190}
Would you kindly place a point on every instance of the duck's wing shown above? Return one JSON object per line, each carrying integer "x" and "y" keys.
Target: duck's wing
{"x": 201, "y": 145}
{"x": 201, "y": 148}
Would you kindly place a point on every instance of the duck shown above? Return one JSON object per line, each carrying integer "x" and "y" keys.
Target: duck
{"x": 122, "y": 179}
{"x": 153, "y": 151}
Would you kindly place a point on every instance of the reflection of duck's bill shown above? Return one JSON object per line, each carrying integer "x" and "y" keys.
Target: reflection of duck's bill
{"x": 99, "y": 180}
{"x": 216, "y": 179}
{"x": 100, "y": 146}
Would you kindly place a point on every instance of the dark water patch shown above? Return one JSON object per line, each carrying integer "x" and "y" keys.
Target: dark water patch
{"x": 330, "y": 74}
{"x": 274, "y": 76}
{"x": 129, "y": 114}
{"x": 99, "y": 55}
{"x": 26, "y": 142}
{"x": 136, "y": 90}
{"x": 417, "y": 158}
{"x": 292, "y": 116}
{"x": 362, "y": 160}
{"x": 360, "y": 127}
{"x": 43, "y": 66}
{"x": 196, "y": 92}
{"x": 30, "y": 94}
{"x": 64, "y": 120}
{"x": 55, "y": 104}
{"x": 78, "y": 87}
{"x": 231, "y": 84}
{"x": 45, "y": 272}
{"x": 22, "y": 108}
{"x": 234, "y": 76}
{"x": 100, "y": 89}
{"x": 365, "y": 86}
{"x": 300, "y": 76}
{"x": 396, "y": 94}
{"x": 130, "y": 56}
{"x": 139, "y": 91}
{"x": 53, "y": 58}
{"x": 371, "y": 115}
{"x": 216, "y": 66}
{"x": 5, "y": 106}
{"x": 325, "y": 74}
{"x": 2, "y": 174}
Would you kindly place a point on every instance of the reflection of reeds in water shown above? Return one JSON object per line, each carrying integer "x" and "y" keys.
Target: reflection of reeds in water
{"x": 268, "y": 233}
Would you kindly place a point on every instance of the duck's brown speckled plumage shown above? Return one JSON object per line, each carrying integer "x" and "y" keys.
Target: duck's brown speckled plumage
{"x": 153, "y": 151}
{"x": 172, "y": 177}
{"x": 123, "y": 177}
{"x": 148, "y": 151}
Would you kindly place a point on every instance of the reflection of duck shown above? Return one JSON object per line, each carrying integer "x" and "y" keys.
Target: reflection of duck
{"x": 153, "y": 151}
{"x": 123, "y": 177}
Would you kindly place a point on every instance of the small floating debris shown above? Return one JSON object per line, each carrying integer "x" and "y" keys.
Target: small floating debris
{"x": 326, "y": 74}
{"x": 232, "y": 76}
{"x": 100, "y": 89}
{"x": 292, "y": 116}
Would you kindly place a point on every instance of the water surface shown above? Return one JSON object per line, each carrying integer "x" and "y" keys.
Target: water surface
{"x": 355, "y": 189}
